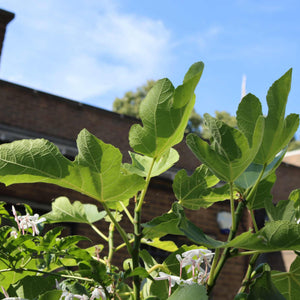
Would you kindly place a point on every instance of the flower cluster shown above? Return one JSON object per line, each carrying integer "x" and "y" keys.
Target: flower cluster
{"x": 27, "y": 221}
{"x": 97, "y": 293}
{"x": 194, "y": 259}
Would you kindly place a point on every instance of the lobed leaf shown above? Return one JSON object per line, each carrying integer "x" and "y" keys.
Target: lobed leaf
{"x": 196, "y": 191}
{"x": 230, "y": 153}
{"x": 141, "y": 164}
{"x": 274, "y": 236}
{"x": 262, "y": 194}
{"x": 192, "y": 232}
{"x": 64, "y": 211}
{"x": 288, "y": 283}
{"x": 278, "y": 129}
{"x": 165, "y": 113}
{"x": 249, "y": 177}
{"x": 263, "y": 287}
{"x": 96, "y": 171}
{"x": 30, "y": 287}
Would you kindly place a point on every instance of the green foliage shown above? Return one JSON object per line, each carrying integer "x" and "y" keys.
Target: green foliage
{"x": 141, "y": 165}
{"x": 274, "y": 236}
{"x": 230, "y": 153}
{"x": 238, "y": 164}
{"x": 278, "y": 129}
{"x": 197, "y": 190}
{"x": 263, "y": 287}
{"x": 288, "y": 283}
{"x": 190, "y": 293}
{"x": 164, "y": 113}
{"x": 64, "y": 211}
{"x": 130, "y": 104}
{"x": 28, "y": 161}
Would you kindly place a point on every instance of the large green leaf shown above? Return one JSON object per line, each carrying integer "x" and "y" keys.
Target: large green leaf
{"x": 31, "y": 287}
{"x": 262, "y": 194}
{"x": 162, "y": 225}
{"x": 248, "y": 112}
{"x": 96, "y": 171}
{"x": 192, "y": 232}
{"x": 288, "y": 283}
{"x": 285, "y": 209}
{"x": 196, "y": 191}
{"x": 51, "y": 295}
{"x": 275, "y": 236}
{"x": 278, "y": 129}
{"x": 141, "y": 164}
{"x": 165, "y": 112}
{"x": 230, "y": 153}
{"x": 64, "y": 211}
{"x": 248, "y": 178}
{"x": 190, "y": 292}
{"x": 263, "y": 287}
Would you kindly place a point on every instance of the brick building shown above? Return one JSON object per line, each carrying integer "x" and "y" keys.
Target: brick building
{"x": 28, "y": 113}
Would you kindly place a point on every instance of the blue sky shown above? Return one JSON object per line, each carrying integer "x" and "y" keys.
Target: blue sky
{"x": 93, "y": 51}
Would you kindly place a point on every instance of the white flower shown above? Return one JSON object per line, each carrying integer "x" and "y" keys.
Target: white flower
{"x": 67, "y": 295}
{"x": 97, "y": 293}
{"x": 14, "y": 233}
{"x": 172, "y": 280}
{"x": 27, "y": 221}
{"x": 195, "y": 258}
{"x": 199, "y": 253}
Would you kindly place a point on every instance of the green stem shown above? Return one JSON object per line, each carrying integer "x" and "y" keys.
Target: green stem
{"x": 213, "y": 267}
{"x": 233, "y": 225}
{"x": 138, "y": 234}
{"x": 26, "y": 262}
{"x": 158, "y": 266}
{"x": 144, "y": 191}
{"x": 123, "y": 245}
{"x": 245, "y": 253}
{"x": 254, "y": 188}
{"x": 45, "y": 272}
{"x": 226, "y": 253}
{"x": 253, "y": 220}
{"x": 135, "y": 253}
{"x": 119, "y": 228}
{"x": 111, "y": 250}
{"x": 99, "y": 232}
{"x": 247, "y": 279}
{"x": 127, "y": 212}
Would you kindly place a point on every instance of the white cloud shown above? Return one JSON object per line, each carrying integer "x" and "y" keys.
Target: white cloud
{"x": 83, "y": 49}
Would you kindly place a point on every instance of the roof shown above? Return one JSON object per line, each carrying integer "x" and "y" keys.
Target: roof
{"x": 292, "y": 158}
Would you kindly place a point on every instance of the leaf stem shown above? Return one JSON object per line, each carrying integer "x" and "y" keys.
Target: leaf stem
{"x": 111, "y": 250}
{"x": 99, "y": 232}
{"x": 45, "y": 272}
{"x": 158, "y": 266}
{"x": 213, "y": 267}
{"x": 233, "y": 221}
{"x": 118, "y": 227}
{"x": 127, "y": 212}
{"x": 123, "y": 245}
{"x": 253, "y": 220}
{"x": 138, "y": 234}
{"x": 144, "y": 191}
{"x": 226, "y": 253}
{"x": 247, "y": 279}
